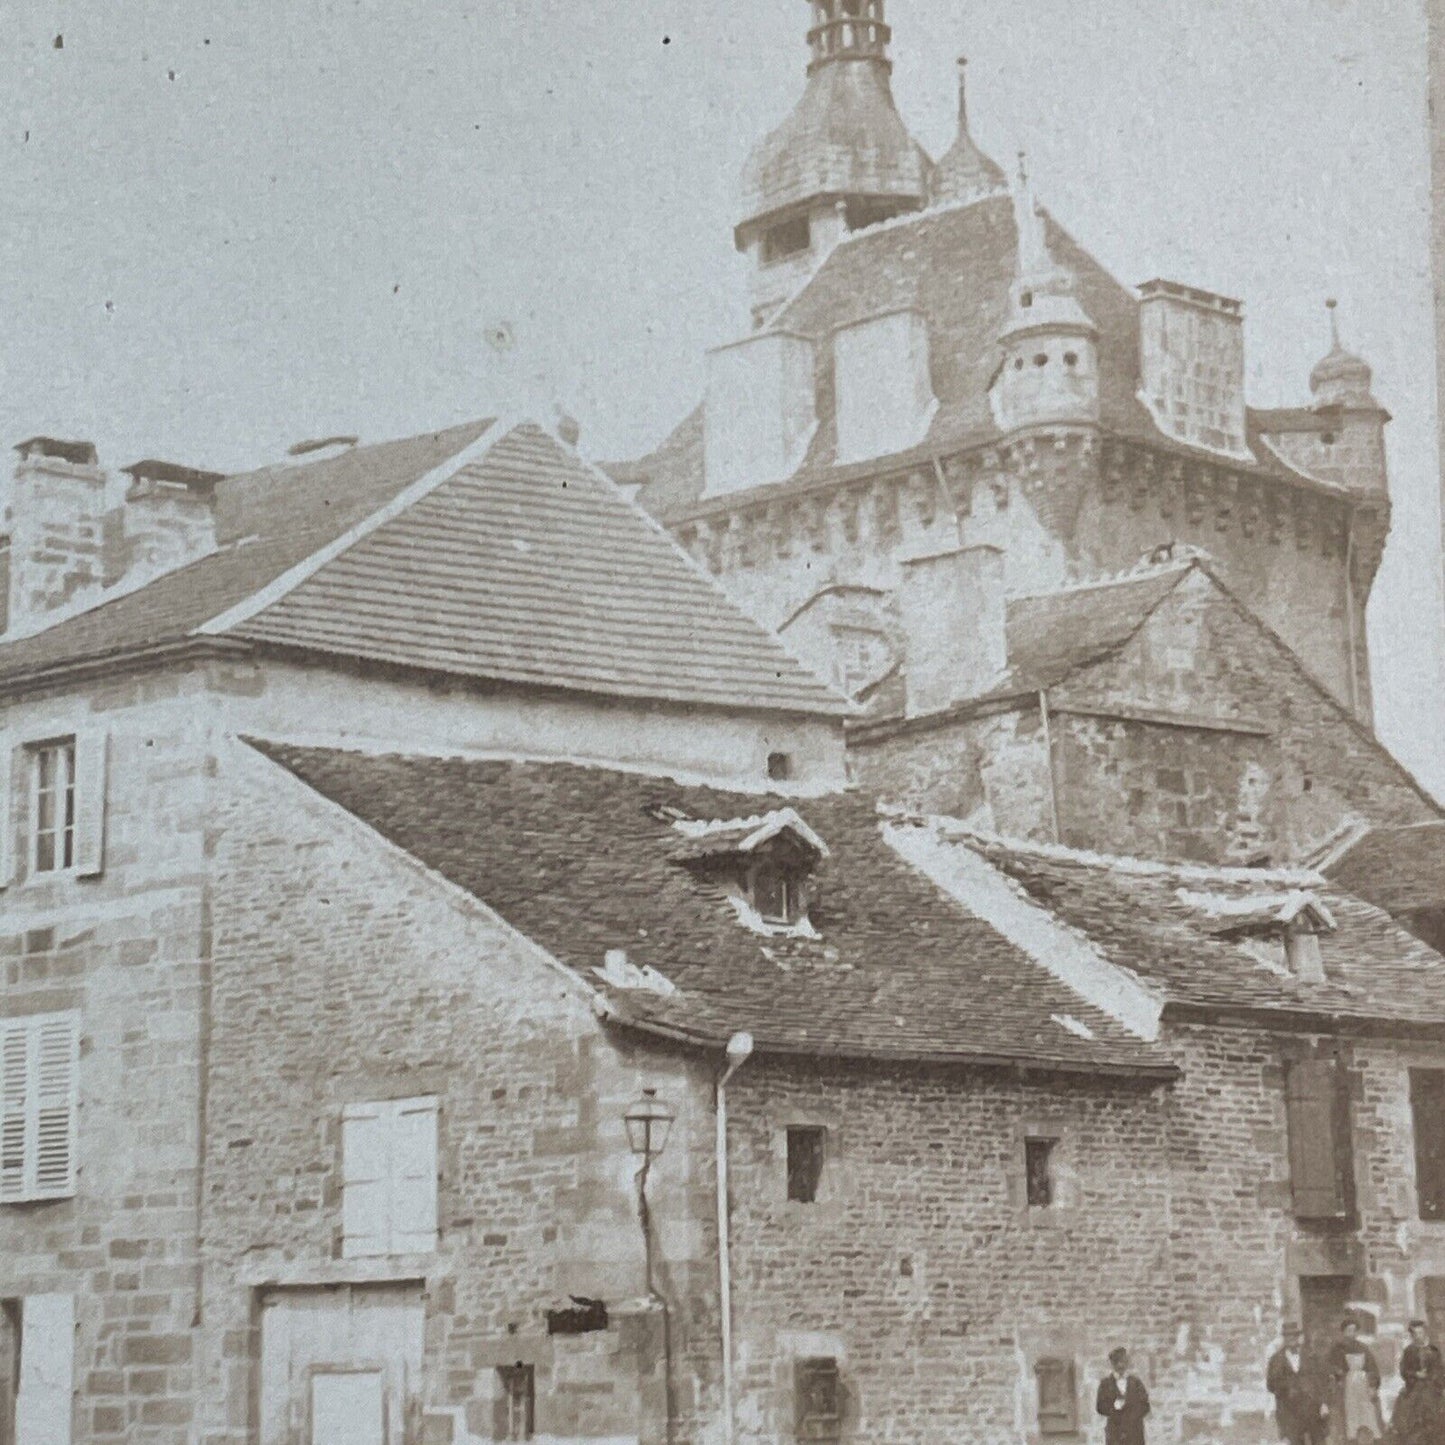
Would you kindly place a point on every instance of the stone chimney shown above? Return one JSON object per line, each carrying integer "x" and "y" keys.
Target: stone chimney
{"x": 1191, "y": 365}
{"x": 58, "y": 533}
{"x": 170, "y": 518}
{"x": 760, "y": 412}
{"x": 951, "y": 607}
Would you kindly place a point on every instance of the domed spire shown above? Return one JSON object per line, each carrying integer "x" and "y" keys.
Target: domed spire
{"x": 965, "y": 173}
{"x": 1043, "y": 293}
{"x": 845, "y": 139}
{"x": 1340, "y": 378}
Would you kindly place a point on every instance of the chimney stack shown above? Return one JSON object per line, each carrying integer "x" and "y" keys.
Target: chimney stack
{"x": 951, "y": 606}
{"x": 1191, "y": 365}
{"x": 170, "y": 518}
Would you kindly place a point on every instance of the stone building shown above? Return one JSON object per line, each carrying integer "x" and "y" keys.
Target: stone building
{"x": 396, "y": 839}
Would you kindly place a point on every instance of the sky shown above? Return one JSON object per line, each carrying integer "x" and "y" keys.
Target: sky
{"x": 228, "y": 228}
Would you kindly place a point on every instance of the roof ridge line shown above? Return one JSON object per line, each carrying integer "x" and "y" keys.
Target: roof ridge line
{"x": 1139, "y": 573}
{"x": 848, "y": 707}
{"x": 293, "y": 577}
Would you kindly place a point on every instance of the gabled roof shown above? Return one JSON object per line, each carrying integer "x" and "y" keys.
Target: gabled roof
{"x": 584, "y": 860}
{"x": 488, "y": 552}
{"x": 1162, "y": 923}
{"x": 954, "y": 263}
{"x": 1399, "y": 869}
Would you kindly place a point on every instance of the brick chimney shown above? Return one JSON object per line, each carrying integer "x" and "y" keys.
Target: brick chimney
{"x": 1191, "y": 365}
{"x": 58, "y": 543}
{"x": 170, "y": 518}
{"x": 951, "y": 607}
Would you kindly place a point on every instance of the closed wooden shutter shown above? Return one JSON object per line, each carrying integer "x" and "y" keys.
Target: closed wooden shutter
{"x": 389, "y": 1175}
{"x": 1319, "y": 1156}
{"x": 39, "y": 1068}
{"x": 817, "y": 1399}
{"x": 1427, "y": 1103}
{"x": 90, "y": 803}
{"x": 47, "y": 1369}
{"x": 1058, "y": 1397}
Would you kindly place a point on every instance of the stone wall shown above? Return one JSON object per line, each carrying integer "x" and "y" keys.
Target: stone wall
{"x": 129, "y": 951}
{"x": 346, "y": 973}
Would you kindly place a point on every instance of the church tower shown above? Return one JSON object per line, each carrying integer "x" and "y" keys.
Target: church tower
{"x": 841, "y": 160}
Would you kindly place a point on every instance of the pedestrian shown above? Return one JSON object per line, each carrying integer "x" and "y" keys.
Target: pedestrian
{"x": 1299, "y": 1407}
{"x": 1122, "y": 1401}
{"x": 1356, "y": 1379}
{"x": 1420, "y": 1410}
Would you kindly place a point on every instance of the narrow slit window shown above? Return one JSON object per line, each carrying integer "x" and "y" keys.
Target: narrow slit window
{"x": 1039, "y": 1172}
{"x": 805, "y": 1163}
{"x": 517, "y": 1402}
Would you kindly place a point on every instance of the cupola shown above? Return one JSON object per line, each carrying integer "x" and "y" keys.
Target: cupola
{"x": 1050, "y": 366}
{"x": 1340, "y": 378}
{"x": 841, "y": 160}
{"x": 964, "y": 173}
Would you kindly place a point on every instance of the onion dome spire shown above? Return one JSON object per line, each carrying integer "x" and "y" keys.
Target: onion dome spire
{"x": 964, "y": 172}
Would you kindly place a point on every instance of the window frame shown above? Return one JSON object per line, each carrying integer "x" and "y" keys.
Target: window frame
{"x": 1312, "y": 1108}
{"x": 388, "y": 1113}
{"x": 793, "y": 889}
{"x": 816, "y": 1425}
{"x": 510, "y": 1400}
{"x": 1065, "y": 1419}
{"x": 1047, "y": 1145}
{"x": 66, "y": 749}
{"x": 818, "y": 1164}
{"x": 1429, "y": 1165}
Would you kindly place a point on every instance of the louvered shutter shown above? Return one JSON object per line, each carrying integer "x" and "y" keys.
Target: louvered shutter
{"x": 7, "y": 812}
{"x": 1317, "y": 1170}
{"x": 39, "y": 1065}
{"x": 365, "y": 1211}
{"x": 47, "y": 1369}
{"x": 414, "y": 1176}
{"x": 90, "y": 801}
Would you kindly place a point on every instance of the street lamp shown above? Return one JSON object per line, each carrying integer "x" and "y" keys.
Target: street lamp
{"x": 648, "y": 1122}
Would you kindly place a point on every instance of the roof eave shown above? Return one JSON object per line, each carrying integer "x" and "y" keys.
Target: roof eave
{"x": 106, "y": 664}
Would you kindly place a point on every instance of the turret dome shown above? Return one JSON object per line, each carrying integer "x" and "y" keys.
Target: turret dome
{"x": 964, "y": 172}
{"x": 1340, "y": 378}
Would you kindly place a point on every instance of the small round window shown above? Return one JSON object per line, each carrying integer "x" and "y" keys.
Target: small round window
{"x": 1071, "y": 358}
{"x": 1041, "y": 358}
{"x": 1019, "y": 364}
{"x": 1328, "y": 438}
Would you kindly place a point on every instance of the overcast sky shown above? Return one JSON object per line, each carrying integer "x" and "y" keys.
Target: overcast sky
{"x": 227, "y": 228}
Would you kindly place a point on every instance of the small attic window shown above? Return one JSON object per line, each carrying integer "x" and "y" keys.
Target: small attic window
{"x": 1018, "y": 363}
{"x": 1026, "y": 299}
{"x": 780, "y": 767}
{"x": 778, "y": 893}
{"x": 1328, "y": 438}
{"x": 1302, "y": 955}
{"x": 1041, "y": 358}
{"x": 1071, "y": 358}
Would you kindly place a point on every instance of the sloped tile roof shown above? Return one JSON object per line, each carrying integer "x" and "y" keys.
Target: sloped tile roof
{"x": 525, "y": 566}
{"x": 954, "y": 264}
{"x": 266, "y": 522}
{"x": 581, "y": 860}
{"x": 529, "y": 566}
{"x": 1146, "y": 918}
{"x": 1398, "y": 869}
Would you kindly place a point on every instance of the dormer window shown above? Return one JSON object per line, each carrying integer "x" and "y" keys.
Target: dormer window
{"x": 778, "y": 893}
{"x": 787, "y": 238}
{"x": 1282, "y": 930}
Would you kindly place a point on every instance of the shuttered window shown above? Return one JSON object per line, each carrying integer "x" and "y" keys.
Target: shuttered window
{"x": 389, "y": 1177}
{"x": 39, "y": 1059}
{"x": 1427, "y": 1103}
{"x": 60, "y": 792}
{"x": 1320, "y": 1157}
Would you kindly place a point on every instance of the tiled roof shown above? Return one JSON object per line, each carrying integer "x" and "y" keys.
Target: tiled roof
{"x": 586, "y": 860}
{"x": 524, "y": 565}
{"x": 1054, "y": 633}
{"x": 1398, "y": 869}
{"x": 266, "y": 522}
{"x": 1163, "y": 924}
{"x": 954, "y": 264}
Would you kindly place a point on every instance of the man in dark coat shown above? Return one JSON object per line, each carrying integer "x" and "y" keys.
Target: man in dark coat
{"x": 1122, "y": 1401}
{"x": 1420, "y": 1410}
{"x": 1299, "y": 1407}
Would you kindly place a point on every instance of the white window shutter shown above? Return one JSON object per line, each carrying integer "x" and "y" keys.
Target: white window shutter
{"x": 14, "y": 1106}
{"x": 90, "y": 802}
{"x": 365, "y": 1182}
{"x": 47, "y": 1369}
{"x": 7, "y": 812}
{"x": 414, "y": 1177}
{"x": 57, "y": 1050}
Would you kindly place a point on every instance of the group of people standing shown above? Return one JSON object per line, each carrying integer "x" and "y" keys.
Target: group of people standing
{"x": 1336, "y": 1401}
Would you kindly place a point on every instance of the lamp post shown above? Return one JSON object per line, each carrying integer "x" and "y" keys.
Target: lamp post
{"x": 648, "y": 1123}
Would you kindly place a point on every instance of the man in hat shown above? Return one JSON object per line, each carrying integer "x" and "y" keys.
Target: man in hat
{"x": 1299, "y": 1409}
{"x": 1122, "y": 1401}
{"x": 1420, "y": 1410}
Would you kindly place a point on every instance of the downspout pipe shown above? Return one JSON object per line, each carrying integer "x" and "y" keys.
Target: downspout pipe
{"x": 739, "y": 1050}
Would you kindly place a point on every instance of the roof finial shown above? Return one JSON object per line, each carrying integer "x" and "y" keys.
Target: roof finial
{"x": 962, "y": 94}
{"x": 1023, "y": 171}
{"x": 1330, "y": 305}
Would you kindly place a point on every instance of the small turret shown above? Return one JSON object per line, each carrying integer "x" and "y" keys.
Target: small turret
{"x": 843, "y": 159}
{"x": 1050, "y": 367}
{"x": 1340, "y": 378}
{"x": 964, "y": 173}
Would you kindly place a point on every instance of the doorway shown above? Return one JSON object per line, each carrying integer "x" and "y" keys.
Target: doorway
{"x": 1324, "y": 1300}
